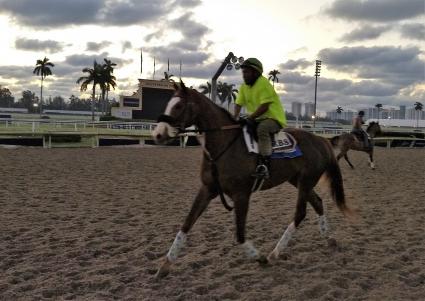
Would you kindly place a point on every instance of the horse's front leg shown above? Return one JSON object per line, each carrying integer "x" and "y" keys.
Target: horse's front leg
{"x": 203, "y": 198}
{"x": 241, "y": 211}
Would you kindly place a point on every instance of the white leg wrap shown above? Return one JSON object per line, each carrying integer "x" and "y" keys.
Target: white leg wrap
{"x": 250, "y": 250}
{"x": 283, "y": 242}
{"x": 176, "y": 247}
{"x": 323, "y": 224}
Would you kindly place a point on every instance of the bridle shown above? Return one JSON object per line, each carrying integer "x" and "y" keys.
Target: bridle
{"x": 172, "y": 121}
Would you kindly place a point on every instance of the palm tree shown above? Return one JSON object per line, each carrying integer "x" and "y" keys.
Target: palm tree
{"x": 418, "y": 108}
{"x": 42, "y": 68}
{"x": 94, "y": 77}
{"x": 168, "y": 77}
{"x": 226, "y": 93}
{"x": 379, "y": 107}
{"x": 108, "y": 81}
{"x": 206, "y": 89}
{"x": 339, "y": 111}
{"x": 273, "y": 76}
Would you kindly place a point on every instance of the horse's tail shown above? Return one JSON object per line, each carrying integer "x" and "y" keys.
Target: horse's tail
{"x": 336, "y": 184}
{"x": 334, "y": 141}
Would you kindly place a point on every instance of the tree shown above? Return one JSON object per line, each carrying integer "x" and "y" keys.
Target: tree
{"x": 107, "y": 81}
{"x": 206, "y": 89}
{"x": 6, "y": 98}
{"x": 94, "y": 77}
{"x": 339, "y": 111}
{"x": 418, "y": 108}
{"x": 379, "y": 107}
{"x": 226, "y": 93}
{"x": 27, "y": 101}
{"x": 42, "y": 68}
{"x": 168, "y": 77}
{"x": 273, "y": 76}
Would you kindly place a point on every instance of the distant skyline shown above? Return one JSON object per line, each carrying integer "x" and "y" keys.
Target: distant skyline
{"x": 372, "y": 51}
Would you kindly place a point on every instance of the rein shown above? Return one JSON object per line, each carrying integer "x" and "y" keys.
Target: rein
{"x": 214, "y": 160}
{"x": 170, "y": 120}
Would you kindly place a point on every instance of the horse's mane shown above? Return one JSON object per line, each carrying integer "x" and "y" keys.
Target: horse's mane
{"x": 205, "y": 98}
{"x": 372, "y": 123}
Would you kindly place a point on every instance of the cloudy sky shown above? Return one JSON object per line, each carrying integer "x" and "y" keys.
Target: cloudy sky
{"x": 372, "y": 51}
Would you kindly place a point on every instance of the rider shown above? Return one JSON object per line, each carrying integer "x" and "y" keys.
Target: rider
{"x": 357, "y": 128}
{"x": 264, "y": 106}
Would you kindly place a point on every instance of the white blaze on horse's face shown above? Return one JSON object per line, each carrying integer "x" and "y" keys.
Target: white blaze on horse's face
{"x": 164, "y": 130}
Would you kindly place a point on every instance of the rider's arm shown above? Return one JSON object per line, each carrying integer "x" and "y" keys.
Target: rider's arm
{"x": 260, "y": 111}
{"x": 237, "y": 111}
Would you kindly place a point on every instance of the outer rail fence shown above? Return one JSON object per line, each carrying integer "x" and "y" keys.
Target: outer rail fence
{"x": 46, "y": 129}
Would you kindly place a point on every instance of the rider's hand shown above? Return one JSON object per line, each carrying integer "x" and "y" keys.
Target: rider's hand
{"x": 246, "y": 121}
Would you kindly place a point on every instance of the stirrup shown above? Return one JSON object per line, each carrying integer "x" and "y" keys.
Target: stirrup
{"x": 261, "y": 172}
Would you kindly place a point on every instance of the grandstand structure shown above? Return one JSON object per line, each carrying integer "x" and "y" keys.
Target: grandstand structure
{"x": 147, "y": 103}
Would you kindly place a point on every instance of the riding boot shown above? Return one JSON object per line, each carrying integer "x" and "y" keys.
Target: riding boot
{"x": 262, "y": 170}
{"x": 366, "y": 141}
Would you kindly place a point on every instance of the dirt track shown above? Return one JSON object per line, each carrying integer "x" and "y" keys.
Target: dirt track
{"x": 91, "y": 224}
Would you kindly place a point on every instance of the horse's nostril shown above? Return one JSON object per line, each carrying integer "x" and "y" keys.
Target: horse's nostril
{"x": 158, "y": 136}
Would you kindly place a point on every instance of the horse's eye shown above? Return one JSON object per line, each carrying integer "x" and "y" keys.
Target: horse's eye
{"x": 178, "y": 107}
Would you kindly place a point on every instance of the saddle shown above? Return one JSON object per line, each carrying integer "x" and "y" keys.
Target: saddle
{"x": 362, "y": 136}
{"x": 284, "y": 144}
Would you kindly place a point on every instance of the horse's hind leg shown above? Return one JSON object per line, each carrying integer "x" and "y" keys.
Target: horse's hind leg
{"x": 205, "y": 195}
{"x": 300, "y": 213}
{"x": 317, "y": 203}
{"x": 371, "y": 164}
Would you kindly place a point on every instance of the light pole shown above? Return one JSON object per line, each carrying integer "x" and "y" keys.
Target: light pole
{"x": 228, "y": 63}
{"x": 316, "y": 74}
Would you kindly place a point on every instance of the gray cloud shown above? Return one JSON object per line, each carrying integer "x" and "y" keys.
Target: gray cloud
{"x": 16, "y": 72}
{"x": 189, "y": 50}
{"x": 414, "y": 31}
{"x": 394, "y": 65}
{"x": 84, "y": 60}
{"x": 189, "y": 28}
{"x": 53, "y": 13}
{"x": 49, "y": 46}
{"x": 93, "y": 46}
{"x": 296, "y": 64}
{"x": 126, "y": 45}
{"x": 48, "y": 13}
{"x": 187, "y": 3}
{"x": 375, "y": 10}
{"x": 175, "y": 54}
{"x": 366, "y": 32}
{"x": 130, "y": 12}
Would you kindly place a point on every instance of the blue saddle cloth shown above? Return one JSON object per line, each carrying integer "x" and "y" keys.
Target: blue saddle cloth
{"x": 284, "y": 145}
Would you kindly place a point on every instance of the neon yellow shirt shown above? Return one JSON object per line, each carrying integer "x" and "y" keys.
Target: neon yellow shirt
{"x": 262, "y": 92}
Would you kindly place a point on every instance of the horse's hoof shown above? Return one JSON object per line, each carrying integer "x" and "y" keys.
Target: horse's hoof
{"x": 164, "y": 270}
{"x": 273, "y": 256}
{"x": 262, "y": 260}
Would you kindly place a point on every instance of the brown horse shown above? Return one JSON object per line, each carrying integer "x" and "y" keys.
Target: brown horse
{"x": 227, "y": 167}
{"x": 348, "y": 141}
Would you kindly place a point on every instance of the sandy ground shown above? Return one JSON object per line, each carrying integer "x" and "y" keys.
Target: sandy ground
{"x": 92, "y": 224}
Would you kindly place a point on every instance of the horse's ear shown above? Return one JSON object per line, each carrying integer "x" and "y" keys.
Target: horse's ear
{"x": 175, "y": 86}
{"x": 183, "y": 87}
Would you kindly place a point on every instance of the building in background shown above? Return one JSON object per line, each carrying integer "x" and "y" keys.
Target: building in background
{"x": 402, "y": 114}
{"x": 309, "y": 109}
{"x": 296, "y": 109}
{"x": 344, "y": 115}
